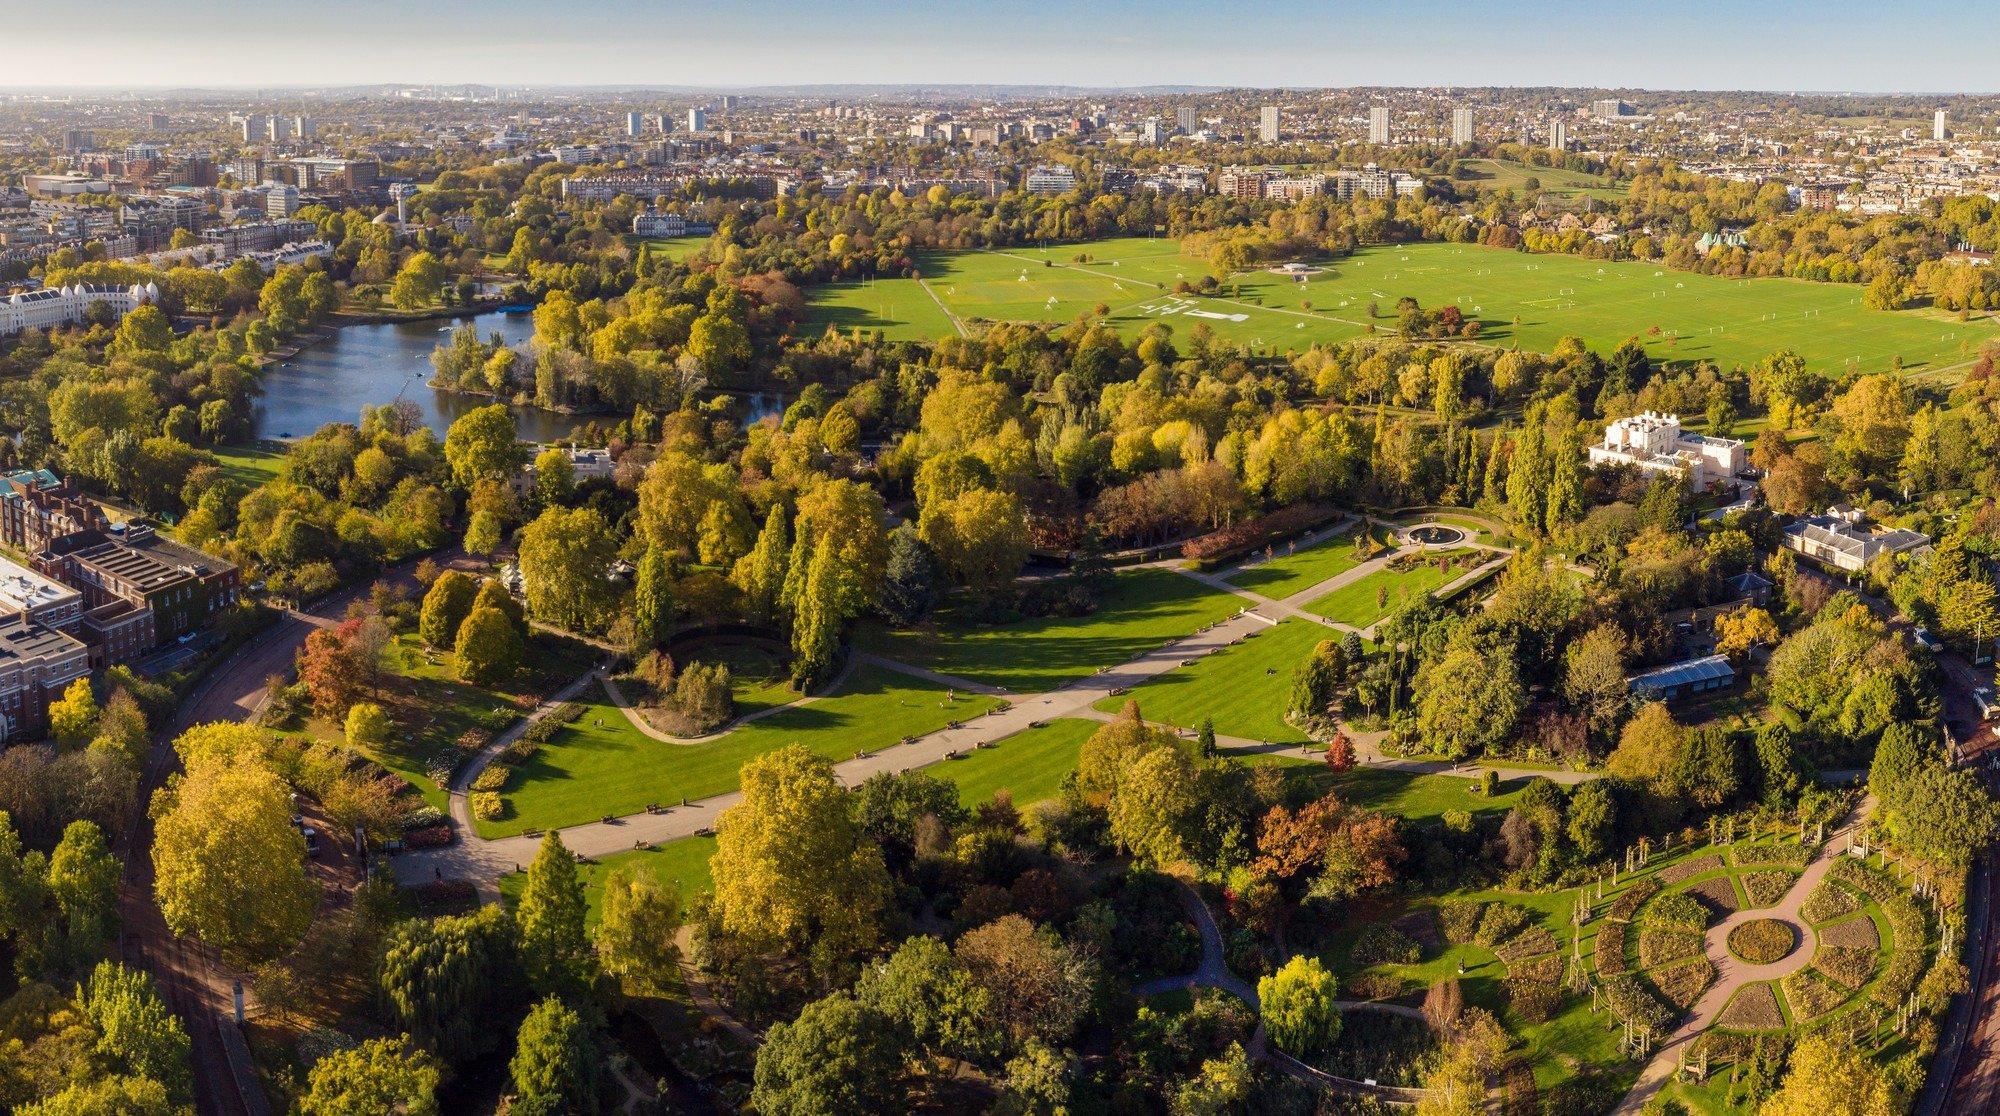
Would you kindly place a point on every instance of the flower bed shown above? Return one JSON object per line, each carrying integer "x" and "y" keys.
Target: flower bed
{"x": 1610, "y": 949}
{"x": 1631, "y": 1003}
{"x": 1547, "y": 968}
{"x": 429, "y": 837}
{"x": 1810, "y": 995}
{"x": 1241, "y": 538}
{"x": 1689, "y": 869}
{"x": 1682, "y": 985}
{"x": 1753, "y": 1008}
{"x": 1848, "y": 966}
{"x": 1677, "y": 912}
{"x": 1385, "y": 945}
{"x": 1827, "y": 902}
{"x": 1763, "y": 941}
{"x": 1718, "y": 894}
{"x": 1857, "y": 933}
{"x": 1767, "y": 889}
{"x": 1772, "y": 853}
{"x": 1458, "y": 920}
{"x": 1659, "y": 947}
{"x": 1623, "y": 907}
{"x": 1501, "y": 921}
{"x": 1906, "y": 967}
{"x": 1528, "y": 943}
{"x": 1906, "y": 922}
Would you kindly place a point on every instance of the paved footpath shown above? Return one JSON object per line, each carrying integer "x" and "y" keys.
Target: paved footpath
{"x": 1732, "y": 973}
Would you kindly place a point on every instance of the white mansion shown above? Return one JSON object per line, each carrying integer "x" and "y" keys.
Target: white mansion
{"x": 61, "y": 306}
{"x": 1657, "y": 444}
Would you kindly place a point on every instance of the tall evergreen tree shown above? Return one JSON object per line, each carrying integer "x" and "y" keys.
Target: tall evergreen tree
{"x": 908, "y": 589}
{"x": 554, "y": 943}
{"x": 652, "y": 602}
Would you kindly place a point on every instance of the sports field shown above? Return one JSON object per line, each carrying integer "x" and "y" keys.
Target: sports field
{"x": 1729, "y": 321}
{"x": 1499, "y": 174}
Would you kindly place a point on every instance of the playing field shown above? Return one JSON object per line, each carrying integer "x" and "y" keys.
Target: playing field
{"x": 1498, "y": 174}
{"x": 1699, "y": 317}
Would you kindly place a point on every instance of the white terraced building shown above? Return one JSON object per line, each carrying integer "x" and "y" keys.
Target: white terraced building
{"x": 1657, "y": 444}
{"x": 61, "y": 306}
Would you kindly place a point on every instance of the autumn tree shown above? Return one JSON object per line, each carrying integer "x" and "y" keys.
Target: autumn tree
{"x": 367, "y": 726}
{"x": 376, "y": 1077}
{"x": 978, "y": 535}
{"x": 652, "y": 603}
{"x": 481, "y": 444}
{"x": 566, "y": 556}
{"x": 228, "y": 863}
{"x": 489, "y": 647}
{"x": 1824, "y": 1075}
{"x": 551, "y": 917}
{"x": 445, "y": 980}
{"x": 445, "y": 607}
{"x": 635, "y": 930}
{"x": 1298, "y": 1006}
{"x": 1736, "y": 633}
{"x": 73, "y": 716}
{"x": 1040, "y": 986}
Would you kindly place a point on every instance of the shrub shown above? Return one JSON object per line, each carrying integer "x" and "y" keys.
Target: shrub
{"x": 1631, "y": 1003}
{"x": 1499, "y": 923}
{"x": 1677, "y": 912}
{"x": 1753, "y": 1008}
{"x": 1548, "y": 967}
{"x": 1718, "y": 894}
{"x": 487, "y": 805}
{"x": 1848, "y": 966}
{"x": 1373, "y": 986}
{"x": 1610, "y": 948}
{"x": 1458, "y": 920}
{"x": 430, "y": 837}
{"x": 1762, "y": 941}
{"x": 1776, "y": 853}
{"x": 1658, "y": 947}
{"x": 1241, "y": 538}
{"x": 1810, "y": 995}
{"x": 491, "y": 779}
{"x": 1629, "y": 900}
{"x": 1689, "y": 869}
{"x": 1531, "y": 942}
{"x": 1535, "y": 1001}
{"x": 1682, "y": 985}
{"x": 1385, "y": 945}
{"x": 1829, "y": 901}
{"x": 519, "y": 752}
{"x": 1906, "y": 967}
{"x": 445, "y": 893}
{"x": 423, "y": 817}
{"x": 1766, "y": 889}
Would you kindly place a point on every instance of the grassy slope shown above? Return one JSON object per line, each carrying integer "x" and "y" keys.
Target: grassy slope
{"x": 1143, "y": 610}
{"x": 248, "y": 466}
{"x": 1243, "y": 687}
{"x": 1286, "y": 574}
{"x": 590, "y": 770}
{"x": 1029, "y": 765}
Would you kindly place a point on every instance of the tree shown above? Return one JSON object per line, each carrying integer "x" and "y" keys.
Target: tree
{"x": 839, "y": 1056}
{"x": 228, "y": 863}
{"x": 446, "y": 980}
{"x": 482, "y": 532}
{"x": 1158, "y": 806}
{"x": 652, "y": 602}
{"x": 1469, "y": 701}
{"x": 1825, "y": 1075}
{"x": 370, "y": 1079}
{"x": 331, "y": 672}
{"x": 978, "y": 536}
{"x": 1316, "y": 681}
{"x": 136, "y": 1033}
{"x": 83, "y": 885}
{"x": 1944, "y": 816}
{"x": 551, "y": 915}
{"x": 1220, "y": 1088}
{"x": 367, "y": 726}
{"x": 555, "y": 477}
{"x": 1739, "y": 631}
{"x": 760, "y": 574}
{"x": 938, "y": 1009}
{"x": 482, "y": 444}
{"x": 1040, "y": 985}
{"x": 445, "y": 607}
{"x": 791, "y": 866}
{"x": 1039, "y": 1082}
{"x": 555, "y": 1063}
{"x": 816, "y": 622}
{"x": 1594, "y": 677}
{"x": 489, "y": 647}
{"x": 416, "y": 284}
{"x": 1592, "y": 820}
{"x": 635, "y": 930}
{"x": 73, "y": 716}
{"x": 1298, "y": 1006}
{"x": 566, "y": 556}
{"x": 908, "y": 584}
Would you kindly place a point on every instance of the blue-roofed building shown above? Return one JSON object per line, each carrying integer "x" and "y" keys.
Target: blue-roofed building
{"x": 1677, "y": 680}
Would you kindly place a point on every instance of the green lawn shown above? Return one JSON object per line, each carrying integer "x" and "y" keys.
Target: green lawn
{"x": 248, "y": 466}
{"x": 671, "y": 247}
{"x": 683, "y": 862}
{"x": 591, "y": 769}
{"x": 899, "y": 308}
{"x": 758, "y": 676}
{"x": 1029, "y": 765}
{"x": 1286, "y": 574}
{"x": 1502, "y": 174}
{"x": 1142, "y": 610}
{"x": 1244, "y": 687}
{"x": 1364, "y": 601}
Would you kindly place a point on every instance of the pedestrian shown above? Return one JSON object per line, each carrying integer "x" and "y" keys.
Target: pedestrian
{"x": 437, "y": 873}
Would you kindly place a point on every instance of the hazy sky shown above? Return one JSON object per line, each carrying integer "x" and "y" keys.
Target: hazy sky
{"x": 1911, "y": 45}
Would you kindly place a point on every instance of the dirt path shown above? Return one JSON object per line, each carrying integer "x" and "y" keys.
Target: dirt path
{"x": 1732, "y": 974}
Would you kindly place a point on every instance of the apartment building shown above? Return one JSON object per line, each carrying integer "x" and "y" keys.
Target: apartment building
{"x": 183, "y": 588}
{"x": 36, "y": 663}
{"x": 63, "y": 306}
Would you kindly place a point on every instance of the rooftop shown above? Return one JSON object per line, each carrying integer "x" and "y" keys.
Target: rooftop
{"x": 1707, "y": 669}
{"x": 22, "y": 589}
{"x": 27, "y": 639}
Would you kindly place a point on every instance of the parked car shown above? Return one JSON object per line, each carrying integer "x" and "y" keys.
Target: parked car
{"x": 1926, "y": 640}
{"x": 312, "y": 839}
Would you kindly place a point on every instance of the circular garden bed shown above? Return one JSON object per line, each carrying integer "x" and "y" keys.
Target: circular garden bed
{"x": 1763, "y": 941}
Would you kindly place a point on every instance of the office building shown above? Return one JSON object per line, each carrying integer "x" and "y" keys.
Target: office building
{"x": 37, "y": 663}
{"x": 635, "y": 124}
{"x": 183, "y": 588}
{"x": 1056, "y": 179}
{"x": 305, "y": 127}
{"x": 1185, "y": 116}
{"x": 1608, "y": 108}
{"x": 1378, "y": 125}
{"x": 1461, "y": 126}
{"x": 1938, "y": 130}
{"x": 1267, "y": 124}
{"x": 281, "y": 199}
{"x": 697, "y": 120}
{"x": 156, "y": 122}
{"x": 1558, "y": 135}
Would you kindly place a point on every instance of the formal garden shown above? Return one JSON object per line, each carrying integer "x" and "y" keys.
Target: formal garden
{"x": 1407, "y": 578}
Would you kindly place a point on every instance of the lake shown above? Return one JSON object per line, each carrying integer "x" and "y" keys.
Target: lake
{"x": 374, "y": 364}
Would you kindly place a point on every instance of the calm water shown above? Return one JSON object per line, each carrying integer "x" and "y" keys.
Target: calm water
{"x": 373, "y": 364}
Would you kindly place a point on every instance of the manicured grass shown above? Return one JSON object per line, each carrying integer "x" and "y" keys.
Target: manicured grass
{"x": 1142, "y": 610}
{"x": 1028, "y": 765}
{"x": 600, "y": 764}
{"x": 1501, "y": 174}
{"x": 683, "y": 863}
{"x": 758, "y": 678}
{"x": 1243, "y": 687}
{"x": 248, "y": 466}
{"x": 1361, "y": 603}
{"x": 671, "y": 247}
{"x": 899, "y": 308}
{"x": 1287, "y": 574}
{"x": 1701, "y": 317}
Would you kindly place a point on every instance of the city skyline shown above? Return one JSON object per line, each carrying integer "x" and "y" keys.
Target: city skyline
{"x": 1012, "y": 42}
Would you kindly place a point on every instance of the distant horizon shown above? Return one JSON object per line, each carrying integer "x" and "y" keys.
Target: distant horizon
{"x": 1694, "y": 46}
{"x": 1164, "y": 88}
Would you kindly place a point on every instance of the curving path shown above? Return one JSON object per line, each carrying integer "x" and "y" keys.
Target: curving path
{"x": 1732, "y": 973}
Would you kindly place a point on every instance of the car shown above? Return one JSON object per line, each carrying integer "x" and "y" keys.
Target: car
{"x": 188, "y": 638}
{"x": 312, "y": 839}
{"x": 1926, "y": 640}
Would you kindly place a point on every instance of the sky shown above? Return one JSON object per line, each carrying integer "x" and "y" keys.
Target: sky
{"x": 1781, "y": 45}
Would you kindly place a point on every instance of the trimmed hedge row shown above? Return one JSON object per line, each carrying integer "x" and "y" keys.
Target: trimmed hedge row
{"x": 1610, "y": 949}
